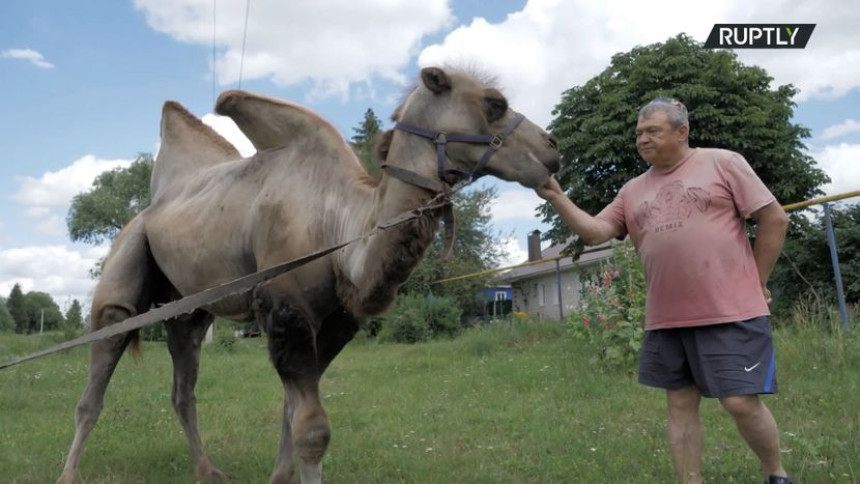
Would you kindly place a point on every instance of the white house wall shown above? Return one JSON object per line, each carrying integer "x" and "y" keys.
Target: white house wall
{"x": 527, "y": 293}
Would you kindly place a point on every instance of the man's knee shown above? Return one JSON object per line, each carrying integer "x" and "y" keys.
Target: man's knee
{"x": 683, "y": 399}
{"x": 741, "y": 405}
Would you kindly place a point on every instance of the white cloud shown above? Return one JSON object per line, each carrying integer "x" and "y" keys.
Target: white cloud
{"x": 841, "y": 163}
{"x": 838, "y": 130}
{"x": 333, "y": 43}
{"x": 225, "y": 126}
{"x": 53, "y": 225}
{"x": 515, "y": 203}
{"x": 517, "y": 253}
{"x": 57, "y": 188}
{"x": 58, "y": 270}
{"x": 552, "y": 45}
{"x": 29, "y": 55}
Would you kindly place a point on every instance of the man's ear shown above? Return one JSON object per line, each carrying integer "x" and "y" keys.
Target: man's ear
{"x": 684, "y": 131}
{"x": 383, "y": 144}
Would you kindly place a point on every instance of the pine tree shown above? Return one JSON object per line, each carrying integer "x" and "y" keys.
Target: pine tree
{"x": 364, "y": 142}
{"x": 17, "y": 309}
{"x": 74, "y": 319}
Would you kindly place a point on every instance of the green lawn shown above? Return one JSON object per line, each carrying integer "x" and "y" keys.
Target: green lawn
{"x": 503, "y": 404}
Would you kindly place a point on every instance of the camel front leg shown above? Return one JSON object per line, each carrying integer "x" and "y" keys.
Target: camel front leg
{"x": 184, "y": 337}
{"x": 292, "y": 349}
{"x": 337, "y": 330}
{"x": 283, "y": 472}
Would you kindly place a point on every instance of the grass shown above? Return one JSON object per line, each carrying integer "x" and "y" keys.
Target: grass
{"x": 509, "y": 403}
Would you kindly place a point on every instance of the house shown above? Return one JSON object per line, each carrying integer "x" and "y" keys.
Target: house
{"x": 538, "y": 287}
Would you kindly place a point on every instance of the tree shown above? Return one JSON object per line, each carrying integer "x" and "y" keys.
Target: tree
{"x": 15, "y": 304}
{"x": 364, "y": 142}
{"x": 476, "y": 248}
{"x": 804, "y": 270}
{"x": 7, "y": 324}
{"x": 116, "y": 197}
{"x": 730, "y": 106}
{"x": 42, "y": 312}
{"x": 74, "y": 318}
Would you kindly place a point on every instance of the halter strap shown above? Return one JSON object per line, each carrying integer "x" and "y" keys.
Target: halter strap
{"x": 441, "y": 140}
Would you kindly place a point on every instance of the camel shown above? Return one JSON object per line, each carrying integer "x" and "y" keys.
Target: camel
{"x": 216, "y": 216}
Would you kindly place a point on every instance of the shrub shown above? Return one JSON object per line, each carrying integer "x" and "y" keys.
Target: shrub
{"x": 405, "y": 324}
{"x": 226, "y": 341}
{"x": 442, "y": 316}
{"x": 416, "y": 318}
{"x": 612, "y": 312}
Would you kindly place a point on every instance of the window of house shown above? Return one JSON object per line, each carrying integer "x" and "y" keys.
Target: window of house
{"x": 542, "y": 294}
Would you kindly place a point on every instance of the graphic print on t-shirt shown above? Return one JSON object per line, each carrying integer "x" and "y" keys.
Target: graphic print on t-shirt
{"x": 673, "y": 204}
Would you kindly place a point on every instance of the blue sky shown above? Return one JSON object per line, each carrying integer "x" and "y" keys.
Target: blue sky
{"x": 84, "y": 82}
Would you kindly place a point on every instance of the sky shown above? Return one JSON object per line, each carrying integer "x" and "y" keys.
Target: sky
{"x": 83, "y": 84}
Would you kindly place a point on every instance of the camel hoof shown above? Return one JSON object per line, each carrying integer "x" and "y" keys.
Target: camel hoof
{"x": 67, "y": 478}
{"x": 282, "y": 478}
{"x": 211, "y": 475}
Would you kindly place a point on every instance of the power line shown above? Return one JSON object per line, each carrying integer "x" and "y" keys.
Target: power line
{"x": 244, "y": 38}
{"x": 214, "y": 26}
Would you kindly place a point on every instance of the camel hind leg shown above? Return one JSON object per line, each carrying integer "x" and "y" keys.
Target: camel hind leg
{"x": 184, "y": 337}
{"x": 123, "y": 291}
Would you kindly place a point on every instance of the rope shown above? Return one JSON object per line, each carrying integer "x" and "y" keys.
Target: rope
{"x": 244, "y": 39}
{"x": 216, "y": 293}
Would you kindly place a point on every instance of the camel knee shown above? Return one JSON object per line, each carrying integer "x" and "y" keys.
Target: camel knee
{"x": 311, "y": 439}
{"x": 312, "y": 444}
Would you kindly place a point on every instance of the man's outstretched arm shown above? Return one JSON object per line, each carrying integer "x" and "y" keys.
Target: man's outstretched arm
{"x": 592, "y": 230}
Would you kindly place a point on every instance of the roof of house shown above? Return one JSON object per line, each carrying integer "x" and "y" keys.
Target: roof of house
{"x": 590, "y": 256}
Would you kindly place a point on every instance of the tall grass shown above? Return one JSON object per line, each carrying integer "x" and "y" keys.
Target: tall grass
{"x": 503, "y": 403}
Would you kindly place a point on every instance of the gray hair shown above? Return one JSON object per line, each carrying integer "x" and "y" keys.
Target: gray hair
{"x": 674, "y": 109}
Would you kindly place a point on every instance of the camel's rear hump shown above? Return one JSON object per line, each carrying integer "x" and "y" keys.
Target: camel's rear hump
{"x": 187, "y": 144}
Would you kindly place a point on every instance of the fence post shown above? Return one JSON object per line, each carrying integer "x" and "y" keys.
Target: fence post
{"x": 558, "y": 284}
{"x": 834, "y": 258}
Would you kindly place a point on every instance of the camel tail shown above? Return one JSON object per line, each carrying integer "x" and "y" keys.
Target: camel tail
{"x": 135, "y": 349}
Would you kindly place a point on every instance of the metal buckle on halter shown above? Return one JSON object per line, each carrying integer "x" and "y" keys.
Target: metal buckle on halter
{"x": 440, "y": 138}
{"x": 496, "y": 141}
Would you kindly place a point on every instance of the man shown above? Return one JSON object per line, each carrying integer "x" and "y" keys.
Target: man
{"x": 707, "y": 330}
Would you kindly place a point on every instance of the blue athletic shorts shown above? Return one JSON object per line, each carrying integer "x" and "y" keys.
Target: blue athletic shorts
{"x": 721, "y": 360}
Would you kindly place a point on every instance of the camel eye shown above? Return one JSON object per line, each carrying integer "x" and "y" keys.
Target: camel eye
{"x": 496, "y": 108}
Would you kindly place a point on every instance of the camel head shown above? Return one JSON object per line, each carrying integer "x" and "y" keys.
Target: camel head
{"x": 471, "y": 117}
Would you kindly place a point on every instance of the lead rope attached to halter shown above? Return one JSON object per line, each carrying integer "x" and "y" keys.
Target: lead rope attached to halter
{"x": 213, "y": 294}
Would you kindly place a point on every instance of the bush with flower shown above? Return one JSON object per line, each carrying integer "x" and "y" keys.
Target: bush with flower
{"x": 611, "y": 317}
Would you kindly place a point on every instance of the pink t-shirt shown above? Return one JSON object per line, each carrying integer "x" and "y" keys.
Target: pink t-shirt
{"x": 688, "y": 226}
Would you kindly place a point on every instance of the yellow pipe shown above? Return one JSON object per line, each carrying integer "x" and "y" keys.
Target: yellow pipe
{"x": 815, "y": 201}
{"x": 524, "y": 264}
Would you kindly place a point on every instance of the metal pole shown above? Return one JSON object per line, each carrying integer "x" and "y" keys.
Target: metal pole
{"x": 558, "y": 283}
{"x": 42, "y": 322}
{"x": 834, "y": 257}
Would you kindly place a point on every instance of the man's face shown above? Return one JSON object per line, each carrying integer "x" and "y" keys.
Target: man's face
{"x": 657, "y": 141}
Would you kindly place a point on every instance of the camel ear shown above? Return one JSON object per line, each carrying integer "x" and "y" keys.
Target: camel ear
{"x": 435, "y": 79}
{"x": 383, "y": 144}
